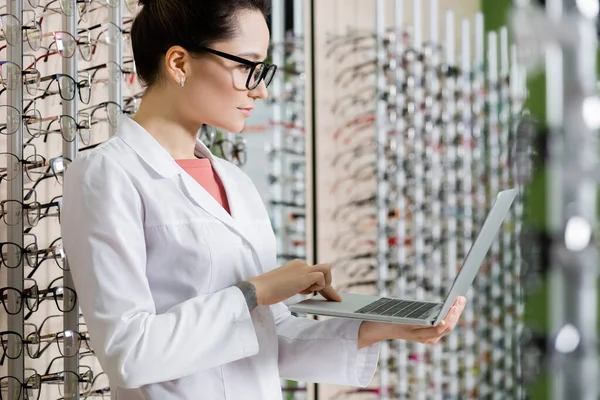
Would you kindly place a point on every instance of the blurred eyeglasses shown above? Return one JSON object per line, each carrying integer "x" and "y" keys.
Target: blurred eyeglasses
{"x": 68, "y": 87}
{"x": 11, "y": 74}
{"x": 68, "y": 341}
{"x": 233, "y": 150}
{"x": 11, "y": 31}
{"x": 64, "y": 297}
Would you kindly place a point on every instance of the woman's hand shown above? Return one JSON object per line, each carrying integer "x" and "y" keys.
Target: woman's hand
{"x": 291, "y": 279}
{"x": 373, "y": 332}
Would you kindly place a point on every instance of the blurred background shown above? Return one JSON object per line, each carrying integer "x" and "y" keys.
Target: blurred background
{"x": 390, "y": 128}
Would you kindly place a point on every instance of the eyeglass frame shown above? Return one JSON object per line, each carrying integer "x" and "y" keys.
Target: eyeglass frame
{"x": 253, "y": 64}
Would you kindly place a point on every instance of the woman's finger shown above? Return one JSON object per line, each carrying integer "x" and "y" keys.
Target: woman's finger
{"x": 315, "y": 288}
{"x": 325, "y": 269}
{"x": 330, "y": 294}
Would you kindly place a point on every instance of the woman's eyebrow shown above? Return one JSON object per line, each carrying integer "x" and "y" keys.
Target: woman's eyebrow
{"x": 252, "y": 56}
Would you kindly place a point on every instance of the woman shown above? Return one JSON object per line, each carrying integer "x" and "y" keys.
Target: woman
{"x": 171, "y": 249}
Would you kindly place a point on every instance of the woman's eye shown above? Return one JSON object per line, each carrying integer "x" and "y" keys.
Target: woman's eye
{"x": 245, "y": 68}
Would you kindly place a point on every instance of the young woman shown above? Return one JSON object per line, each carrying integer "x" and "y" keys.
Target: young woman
{"x": 171, "y": 249}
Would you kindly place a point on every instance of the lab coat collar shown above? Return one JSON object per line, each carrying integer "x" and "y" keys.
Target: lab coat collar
{"x": 159, "y": 159}
{"x": 147, "y": 148}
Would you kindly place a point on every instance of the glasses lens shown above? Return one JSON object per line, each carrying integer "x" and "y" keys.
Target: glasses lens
{"x": 13, "y": 304}
{"x": 10, "y": 381}
{"x": 65, "y": 298}
{"x": 65, "y": 44}
{"x": 240, "y": 155}
{"x": 58, "y": 166}
{"x": 67, "y": 7}
{"x": 33, "y": 385}
{"x": 9, "y": 166}
{"x": 34, "y": 3}
{"x": 85, "y": 47}
{"x": 12, "y": 117}
{"x": 32, "y": 81}
{"x": 34, "y": 35}
{"x": 33, "y": 298}
{"x": 33, "y": 213}
{"x": 10, "y": 74}
{"x": 33, "y": 122}
{"x": 114, "y": 113}
{"x": 114, "y": 72}
{"x": 33, "y": 344}
{"x": 11, "y": 29}
{"x": 256, "y": 76}
{"x": 66, "y": 86}
{"x": 85, "y": 89}
{"x": 31, "y": 255}
{"x": 84, "y": 128}
{"x": 68, "y": 127}
{"x": 12, "y": 215}
{"x": 270, "y": 74}
{"x": 59, "y": 256}
{"x": 113, "y": 33}
{"x": 12, "y": 345}
{"x": 34, "y": 167}
{"x": 68, "y": 343}
{"x": 226, "y": 147}
{"x": 11, "y": 255}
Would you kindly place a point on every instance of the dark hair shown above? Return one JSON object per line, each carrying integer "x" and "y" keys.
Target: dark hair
{"x": 190, "y": 24}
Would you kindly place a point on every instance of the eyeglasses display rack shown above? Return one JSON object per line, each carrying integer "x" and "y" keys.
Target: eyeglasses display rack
{"x": 286, "y": 151}
{"x": 67, "y": 75}
{"x": 564, "y": 39}
{"x": 60, "y": 57}
{"x": 423, "y": 123}
{"x": 14, "y": 235}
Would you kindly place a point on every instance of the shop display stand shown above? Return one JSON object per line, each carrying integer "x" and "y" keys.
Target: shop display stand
{"x": 564, "y": 37}
{"x": 15, "y": 192}
{"x": 70, "y": 149}
{"x": 68, "y": 18}
{"x": 443, "y": 114}
{"x": 286, "y": 151}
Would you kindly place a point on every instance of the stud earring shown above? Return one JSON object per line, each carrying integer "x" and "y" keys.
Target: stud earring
{"x": 182, "y": 81}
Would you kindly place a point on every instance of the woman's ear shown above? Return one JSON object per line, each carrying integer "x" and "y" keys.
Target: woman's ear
{"x": 177, "y": 64}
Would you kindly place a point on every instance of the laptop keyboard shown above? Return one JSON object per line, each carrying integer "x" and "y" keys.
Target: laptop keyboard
{"x": 398, "y": 308}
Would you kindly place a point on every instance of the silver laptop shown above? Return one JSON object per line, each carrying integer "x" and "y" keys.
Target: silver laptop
{"x": 411, "y": 312}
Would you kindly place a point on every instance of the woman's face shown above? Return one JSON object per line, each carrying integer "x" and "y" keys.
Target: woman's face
{"x": 215, "y": 90}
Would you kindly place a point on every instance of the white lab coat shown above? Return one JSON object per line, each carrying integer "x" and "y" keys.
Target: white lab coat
{"x": 154, "y": 258}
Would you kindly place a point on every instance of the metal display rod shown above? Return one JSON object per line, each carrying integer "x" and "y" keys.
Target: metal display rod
{"x": 276, "y": 89}
{"x": 115, "y": 56}
{"x": 382, "y": 195}
{"x": 15, "y": 192}
{"x": 70, "y": 319}
{"x": 568, "y": 35}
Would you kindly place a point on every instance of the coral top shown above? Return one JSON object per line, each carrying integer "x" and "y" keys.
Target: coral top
{"x": 202, "y": 171}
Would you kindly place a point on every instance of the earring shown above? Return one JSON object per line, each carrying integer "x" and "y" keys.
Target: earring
{"x": 181, "y": 81}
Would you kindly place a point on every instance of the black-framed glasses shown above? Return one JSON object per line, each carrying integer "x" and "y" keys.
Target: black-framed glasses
{"x": 257, "y": 72}
{"x": 64, "y": 297}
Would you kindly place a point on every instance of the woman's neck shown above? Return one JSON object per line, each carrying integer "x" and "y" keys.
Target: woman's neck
{"x": 157, "y": 115}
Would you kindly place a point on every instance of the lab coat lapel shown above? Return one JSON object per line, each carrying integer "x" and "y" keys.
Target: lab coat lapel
{"x": 161, "y": 162}
{"x": 240, "y": 218}
{"x": 203, "y": 199}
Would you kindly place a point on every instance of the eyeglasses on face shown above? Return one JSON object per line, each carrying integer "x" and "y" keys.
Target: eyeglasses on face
{"x": 258, "y": 70}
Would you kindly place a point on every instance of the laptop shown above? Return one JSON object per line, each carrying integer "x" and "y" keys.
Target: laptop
{"x": 412, "y": 312}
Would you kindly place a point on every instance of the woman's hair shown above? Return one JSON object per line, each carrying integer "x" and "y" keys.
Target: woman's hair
{"x": 191, "y": 24}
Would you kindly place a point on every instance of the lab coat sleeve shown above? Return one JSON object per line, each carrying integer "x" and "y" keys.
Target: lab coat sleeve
{"x": 103, "y": 236}
{"x": 323, "y": 351}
